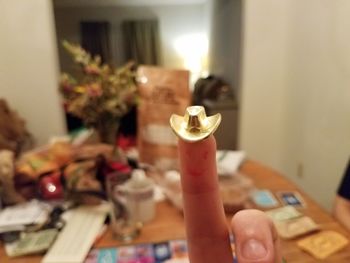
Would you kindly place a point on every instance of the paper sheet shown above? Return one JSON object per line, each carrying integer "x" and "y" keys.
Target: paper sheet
{"x": 22, "y": 214}
{"x": 228, "y": 162}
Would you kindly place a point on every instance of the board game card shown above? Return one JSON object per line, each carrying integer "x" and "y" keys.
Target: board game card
{"x": 178, "y": 248}
{"x": 178, "y": 260}
{"x": 283, "y": 213}
{"x": 291, "y": 198}
{"x": 107, "y": 255}
{"x": 170, "y": 251}
{"x": 264, "y": 198}
{"x": 295, "y": 227}
{"x": 126, "y": 254}
{"x": 162, "y": 251}
{"x": 144, "y": 253}
{"x": 323, "y": 244}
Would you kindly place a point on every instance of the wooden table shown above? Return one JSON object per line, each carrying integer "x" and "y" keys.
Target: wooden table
{"x": 169, "y": 224}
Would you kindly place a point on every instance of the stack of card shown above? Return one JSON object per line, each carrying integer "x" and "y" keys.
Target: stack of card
{"x": 323, "y": 244}
{"x": 290, "y": 223}
{"x": 291, "y": 198}
{"x": 296, "y": 227}
{"x": 283, "y": 213}
{"x": 266, "y": 199}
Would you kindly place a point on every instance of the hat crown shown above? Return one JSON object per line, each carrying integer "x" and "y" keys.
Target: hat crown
{"x": 195, "y": 118}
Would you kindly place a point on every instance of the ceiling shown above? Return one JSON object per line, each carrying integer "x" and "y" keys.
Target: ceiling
{"x": 63, "y": 3}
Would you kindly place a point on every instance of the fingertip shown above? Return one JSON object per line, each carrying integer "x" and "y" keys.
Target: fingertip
{"x": 208, "y": 143}
{"x": 250, "y": 215}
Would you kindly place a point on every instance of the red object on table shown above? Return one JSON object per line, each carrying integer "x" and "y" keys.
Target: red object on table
{"x": 119, "y": 167}
{"x": 50, "y": 186}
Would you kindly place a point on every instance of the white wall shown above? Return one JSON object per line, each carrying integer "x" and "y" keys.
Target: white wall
{"x": 320, "y": 94}
{"x": 264, "y": 81}
{"x": 174, "y": 20}
{"x": 296, "y": 111}
{"x": 28, "y": 65}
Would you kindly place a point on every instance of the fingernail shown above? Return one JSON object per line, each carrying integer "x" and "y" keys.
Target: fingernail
{"x": 253, "y": 249}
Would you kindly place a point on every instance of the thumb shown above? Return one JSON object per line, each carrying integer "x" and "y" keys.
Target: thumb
{"x": 256, "y": 239}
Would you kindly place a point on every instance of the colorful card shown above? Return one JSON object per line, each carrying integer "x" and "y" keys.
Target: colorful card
{"x": 145, "y": 253}
{"x": 264, "y": 198}
{"x": 178, "y": 260}
{"x": 173, "y": 251}
{"x": 283, "y": 213}
{"x": 323, "y": 244}
{"x": 107, "y": 255}
{"x": 291, "y": 198}
{"x": 178, "y": 248}
{"x": 126, "y": 254}
{"x": 162, "y": 251}
{"x": 295, "y": 227}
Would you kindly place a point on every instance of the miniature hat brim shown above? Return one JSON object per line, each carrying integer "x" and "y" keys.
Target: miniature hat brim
{"x": 180, "y": 127}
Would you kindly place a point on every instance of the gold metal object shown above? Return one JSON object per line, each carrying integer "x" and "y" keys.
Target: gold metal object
{"x": 195, "y": 125}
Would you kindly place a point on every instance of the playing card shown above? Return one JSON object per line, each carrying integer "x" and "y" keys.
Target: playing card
{"x": 291, "y": 198}
{"x": 295, "y": 227}
{"x": 178, "y": 248}
{"x": 283, "y": 213}
{"x": 162, "y": 251}
{"x": 144, "y": 253}
{"x": 323, "y": 244}
{"x": 126, "y": 254}
{"x": 178, "y": 260}
{"x": 107, "y": 255}
{"x": 264, "y": 198}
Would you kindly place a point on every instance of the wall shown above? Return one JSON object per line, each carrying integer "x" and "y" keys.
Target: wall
{"x": 295, "y": 103}
{"x": 174, "y": 20}
{"x": 264, "y": 81}
{"x": 28, "y": 65}
{"x": 319, "y": 94}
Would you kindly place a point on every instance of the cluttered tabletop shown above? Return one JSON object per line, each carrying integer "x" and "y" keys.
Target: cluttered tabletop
{"x": 97, "y": 231}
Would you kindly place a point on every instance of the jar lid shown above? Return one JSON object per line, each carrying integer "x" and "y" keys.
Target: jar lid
{"x": 139, "y": 179}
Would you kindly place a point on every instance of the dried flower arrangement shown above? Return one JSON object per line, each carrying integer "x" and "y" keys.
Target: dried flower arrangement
{"x": 102, "y": 96}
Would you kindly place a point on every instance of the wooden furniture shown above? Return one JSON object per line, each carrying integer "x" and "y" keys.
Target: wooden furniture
{"x": 168, "y": 223}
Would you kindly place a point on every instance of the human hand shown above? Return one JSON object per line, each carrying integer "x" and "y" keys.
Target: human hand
{"x": 256, "y": 240}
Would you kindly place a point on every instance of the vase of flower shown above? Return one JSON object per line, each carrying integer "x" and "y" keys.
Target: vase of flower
{"x": 102, "y": 95}
{"x": 107, "y": 131}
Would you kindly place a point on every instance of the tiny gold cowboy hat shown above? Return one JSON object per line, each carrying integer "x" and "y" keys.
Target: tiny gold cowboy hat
{"x": 195, "y": 125}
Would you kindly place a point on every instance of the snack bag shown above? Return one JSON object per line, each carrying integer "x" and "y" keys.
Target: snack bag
{"x": 163, "y": 92}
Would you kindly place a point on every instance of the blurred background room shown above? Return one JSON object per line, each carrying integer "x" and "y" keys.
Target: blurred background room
{"x": 278, "y": 71}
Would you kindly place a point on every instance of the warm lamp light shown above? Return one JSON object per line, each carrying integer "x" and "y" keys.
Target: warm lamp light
{"x": 193, "y": 48}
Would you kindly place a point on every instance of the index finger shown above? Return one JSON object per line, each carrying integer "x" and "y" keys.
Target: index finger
{"x": 206, "y": 228}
